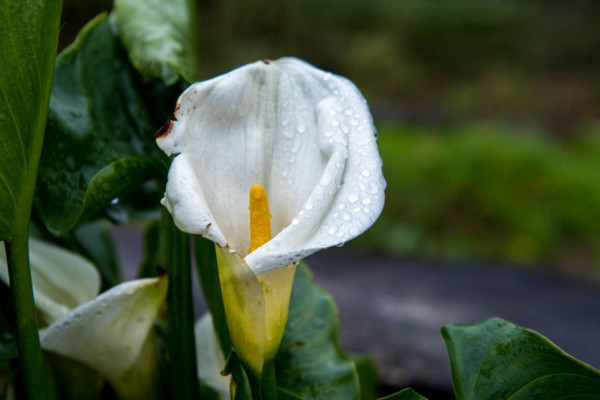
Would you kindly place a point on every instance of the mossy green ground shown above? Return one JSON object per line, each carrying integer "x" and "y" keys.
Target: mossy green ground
{"x": 485, "y": 192}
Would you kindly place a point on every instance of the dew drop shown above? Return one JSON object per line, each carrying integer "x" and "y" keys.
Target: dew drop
{"x": 301, "y": 127}
{"x": 344, "y": 128}
{"x": 366, "y": 173}
{"x": 347, "y": 216}
{"x": 366, "y": 201}
{"x": 309, "y": 205}
{"x": 288, "y": 133}
{"x": 342, "y": 205}
{"x": 352, "y": 197}
{"x": 332, "y": 230}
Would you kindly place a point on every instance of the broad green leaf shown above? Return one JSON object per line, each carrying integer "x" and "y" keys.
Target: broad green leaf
{"x": 498, "y": 360}
{"x": 99, "y": 141}
{"x": 28, "y": 32}
{"x": 406, "y": 394}
{"x": 160, "y": 37}
{"x": 310, "y": 363}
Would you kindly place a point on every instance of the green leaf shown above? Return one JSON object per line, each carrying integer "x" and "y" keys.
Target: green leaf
{"x": 498, "y": 360}
{"x": 29, "y": 35}
{"x": 406, "y": 394}
{"x": 99, "y": 141}
{"x": 29, "y": 32}
{"x": 310, "y": 363}
{"x": 160, "y": 37}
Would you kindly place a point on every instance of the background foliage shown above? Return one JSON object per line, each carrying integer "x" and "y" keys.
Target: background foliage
{"x": 447, "y": 81}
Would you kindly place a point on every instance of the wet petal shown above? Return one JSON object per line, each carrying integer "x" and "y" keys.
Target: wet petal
{"x": 114, "y": 335}
{"x": 305, "y": 135}
{"x": 62, "y": 280}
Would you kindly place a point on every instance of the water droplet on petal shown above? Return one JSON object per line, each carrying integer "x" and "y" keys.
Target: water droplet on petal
{"x": 352, "y": 197}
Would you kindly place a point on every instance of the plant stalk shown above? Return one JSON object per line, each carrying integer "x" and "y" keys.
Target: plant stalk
{"x": 183, "y": 377}
{"x": 34, "y": 379}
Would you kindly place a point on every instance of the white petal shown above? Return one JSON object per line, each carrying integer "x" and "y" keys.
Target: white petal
{"x": 210, "y": 359}
{"x": 62, "y": 280}
{"x": 306, "y": 135}
{"x": 114, "y": 335}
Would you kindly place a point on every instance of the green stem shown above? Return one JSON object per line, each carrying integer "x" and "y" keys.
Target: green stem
{"x": 268, "y": 385}
{"x": 265, "y": 387}
{"x": 183, "y": 379}
{"x": 208, "y": 274}
{"x": 30, "y": 354}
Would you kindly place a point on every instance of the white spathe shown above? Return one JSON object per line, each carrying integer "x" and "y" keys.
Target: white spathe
{"x": 114, "y": 335}
{"x": 305, "y": 135}
{"x": 62, "y": 280}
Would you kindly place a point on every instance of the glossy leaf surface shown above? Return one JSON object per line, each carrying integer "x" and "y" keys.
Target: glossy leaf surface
{"x": 310, "y": 363}
{"x": 29, "y": 31}
{"x": 159, "y": 37}
{"x": 497, "y": 360}
{"x": 99, "y": 139}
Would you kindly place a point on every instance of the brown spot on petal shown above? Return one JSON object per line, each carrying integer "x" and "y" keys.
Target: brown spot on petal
{"x": 177, "y": 107}
{"x": 164, "y": 130}
{"x": 266, "y": 61}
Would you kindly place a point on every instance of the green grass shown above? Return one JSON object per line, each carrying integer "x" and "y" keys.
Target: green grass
{"x": 483, "y": 192}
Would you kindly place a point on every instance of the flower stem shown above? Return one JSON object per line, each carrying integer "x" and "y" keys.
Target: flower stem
{"x": 268, "y": 385}
{"x": 183, "y": 378}
{"x": 208, "y": 274}
{"x": 34, "y": 379}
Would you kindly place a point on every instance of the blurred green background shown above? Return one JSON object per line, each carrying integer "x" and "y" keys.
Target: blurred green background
{"x": 488, "y": 113}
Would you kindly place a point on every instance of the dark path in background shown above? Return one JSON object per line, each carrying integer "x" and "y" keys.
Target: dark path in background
{"x": 393, "y": 310}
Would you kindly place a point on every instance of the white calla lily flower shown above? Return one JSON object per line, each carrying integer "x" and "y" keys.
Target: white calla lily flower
{"x": 62, "y": 280}
{"x": 113, "y": 334}
{"x": 288, "y": 131}
{"x": 305, "y": 135}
